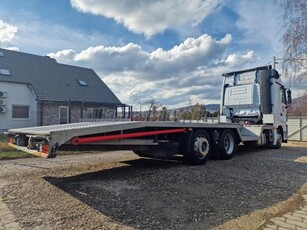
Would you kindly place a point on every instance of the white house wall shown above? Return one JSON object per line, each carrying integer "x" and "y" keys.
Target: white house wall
{"x": 17, "y": 94}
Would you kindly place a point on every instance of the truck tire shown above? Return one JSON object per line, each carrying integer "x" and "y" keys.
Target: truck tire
{"x": 227, "y": 144}
{"x": 279, "y": 140}
{"x": 199, "y": 148}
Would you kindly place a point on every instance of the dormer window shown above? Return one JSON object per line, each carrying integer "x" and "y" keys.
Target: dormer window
{"x": 5, "y": 72}
{"x": 1, "y": 54}
{"x": 82, "y": 83}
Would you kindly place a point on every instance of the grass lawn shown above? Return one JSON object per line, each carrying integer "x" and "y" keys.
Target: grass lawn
{"x": 8, "y": 153}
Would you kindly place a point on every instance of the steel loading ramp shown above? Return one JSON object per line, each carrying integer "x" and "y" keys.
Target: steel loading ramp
{"x": 46, "y": 140}
{"x": 62, "y": 133}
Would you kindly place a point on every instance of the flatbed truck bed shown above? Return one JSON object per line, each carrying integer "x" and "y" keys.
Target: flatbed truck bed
{"x": 142, "y": 137}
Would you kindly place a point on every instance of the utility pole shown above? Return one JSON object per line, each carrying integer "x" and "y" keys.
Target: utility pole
{"x": 274, "y": 62}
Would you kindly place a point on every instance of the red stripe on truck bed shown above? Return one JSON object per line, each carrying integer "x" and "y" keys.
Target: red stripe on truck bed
{"x": 80, "y": 140}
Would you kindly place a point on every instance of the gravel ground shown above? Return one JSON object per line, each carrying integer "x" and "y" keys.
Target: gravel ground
{"x": 122, "y": 191}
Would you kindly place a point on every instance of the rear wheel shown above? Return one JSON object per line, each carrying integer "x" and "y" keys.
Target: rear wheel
{"x": 199, "y": 148}
{"x": 227, "y": 144}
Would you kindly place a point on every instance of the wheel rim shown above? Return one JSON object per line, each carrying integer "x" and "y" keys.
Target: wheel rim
{"x": 279, "y": 139}
{"x": 201, "y": 147}
{"x": 229, "y": 143}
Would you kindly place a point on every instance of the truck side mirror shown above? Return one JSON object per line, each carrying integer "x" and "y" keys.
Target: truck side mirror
{"x": 289, "y": 98}
{"x": 275, "y": 74}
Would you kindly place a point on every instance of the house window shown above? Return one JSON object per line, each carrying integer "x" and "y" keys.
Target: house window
{"x": 20, "y": 111}
{"x": 82, "y": 83}
{"x": 63, "y": 114}
{"x": 4, "y": 72}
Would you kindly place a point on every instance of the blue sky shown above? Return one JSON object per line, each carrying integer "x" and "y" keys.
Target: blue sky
{"x": 172, "y": 51}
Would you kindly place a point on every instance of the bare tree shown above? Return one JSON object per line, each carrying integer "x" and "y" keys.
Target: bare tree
{"x": 153, "y": 107}
{"x": 163, "y": 114}
{"x": 294, "y": 35}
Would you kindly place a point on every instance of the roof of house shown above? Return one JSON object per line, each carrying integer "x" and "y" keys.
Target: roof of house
{"x": 52, "y": 81}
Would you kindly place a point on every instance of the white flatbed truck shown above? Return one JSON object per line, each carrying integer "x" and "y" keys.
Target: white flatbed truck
{"x": 253, "y": 110}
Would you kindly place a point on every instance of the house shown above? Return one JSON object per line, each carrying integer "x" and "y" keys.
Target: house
{"x": 36, "y": 90}
{"x": 298, "y": 106}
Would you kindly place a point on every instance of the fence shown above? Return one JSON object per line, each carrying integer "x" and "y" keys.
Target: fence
{"x": 297, "y": 128}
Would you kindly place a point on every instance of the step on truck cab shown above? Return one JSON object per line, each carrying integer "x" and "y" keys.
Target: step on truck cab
{"x": 253, "y": 111}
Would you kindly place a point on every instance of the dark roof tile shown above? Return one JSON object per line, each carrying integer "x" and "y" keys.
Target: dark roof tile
{"x": 52, "y": 81}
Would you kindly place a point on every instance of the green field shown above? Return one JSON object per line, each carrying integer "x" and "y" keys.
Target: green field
{"x": 8, "y": 153}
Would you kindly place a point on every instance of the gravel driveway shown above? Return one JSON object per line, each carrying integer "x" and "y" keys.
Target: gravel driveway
{"x": 121, "y": 191}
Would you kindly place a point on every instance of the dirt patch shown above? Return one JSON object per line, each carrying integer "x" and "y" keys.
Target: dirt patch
{"x": 301, "y": 160}
{"x": 37, "y": 203}
{"x": 260, "y": 218}
{"x": 121, "y": 191}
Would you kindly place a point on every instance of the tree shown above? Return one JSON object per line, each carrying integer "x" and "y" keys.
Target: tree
{"x": 215, "y": 114}
{"x": 163, "y": 114}
{"x": 183, "y": 115}
{"x": 198, "y": 112}
{"x": 294, "y": 36}
{"x": 153, "y": 107}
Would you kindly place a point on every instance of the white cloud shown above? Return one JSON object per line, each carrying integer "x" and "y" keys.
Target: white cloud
{"x": 236, "y": 59}
{"x": 7, "y": 32}
{"x": 193, "y": 53}
{"x": 30, "y": 34}
{"x": 260, "y": 24}
{"x": 188, "y": 70}
{"x": 44, "y": 37}
{"x": 151, "y": 16}
{"x": 64, "y": 55}
{"x": 11, "y": 48}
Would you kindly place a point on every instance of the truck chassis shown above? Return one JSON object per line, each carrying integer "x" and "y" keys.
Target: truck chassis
{"x": 196, "y": 141}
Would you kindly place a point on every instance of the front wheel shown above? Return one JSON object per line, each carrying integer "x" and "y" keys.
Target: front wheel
{"x": 199, "y": 148}
{"x": 279, "y": 140}
{"x": 227, "y": 144}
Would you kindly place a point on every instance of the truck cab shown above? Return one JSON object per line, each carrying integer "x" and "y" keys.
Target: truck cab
{"x": 256, "y": 98}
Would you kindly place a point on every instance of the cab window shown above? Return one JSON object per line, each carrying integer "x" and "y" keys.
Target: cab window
{"x": 283, "y": 97}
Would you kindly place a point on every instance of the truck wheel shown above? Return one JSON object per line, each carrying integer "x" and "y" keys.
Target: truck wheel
{"x": 198, "y": 148}
{"x": 279, "y": 140}
{"x": 227, "y": 144}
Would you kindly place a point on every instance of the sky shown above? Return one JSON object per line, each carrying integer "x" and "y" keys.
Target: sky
{"x": 174, "y": 52}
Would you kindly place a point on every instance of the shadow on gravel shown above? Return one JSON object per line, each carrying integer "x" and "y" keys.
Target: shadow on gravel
{"x": 155, "y": 194}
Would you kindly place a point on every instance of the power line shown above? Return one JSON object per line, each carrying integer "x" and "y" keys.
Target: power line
{"x": 287, "y": 59}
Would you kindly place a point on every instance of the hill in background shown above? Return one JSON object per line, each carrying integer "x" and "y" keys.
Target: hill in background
{"x": 210, "y": 107}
